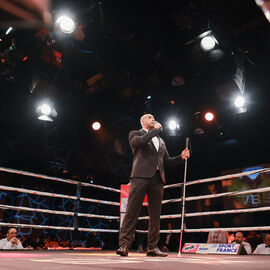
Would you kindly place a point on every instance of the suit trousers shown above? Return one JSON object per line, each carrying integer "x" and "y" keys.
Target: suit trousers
{"x": 139, "y": 187}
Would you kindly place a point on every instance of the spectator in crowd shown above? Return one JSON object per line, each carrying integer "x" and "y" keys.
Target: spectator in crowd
{"x": 265, "y": 247}
{"x": 51, "y": 243}
{"x": 217, "y": 236}
{"x": 254, "y": 239}
{"x": 239, "y": 239}
{"x": 230, "y": 237}
{"x": 11, "y": 241}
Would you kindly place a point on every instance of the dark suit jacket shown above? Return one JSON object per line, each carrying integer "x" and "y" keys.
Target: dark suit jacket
{"x": 146, "y": 158}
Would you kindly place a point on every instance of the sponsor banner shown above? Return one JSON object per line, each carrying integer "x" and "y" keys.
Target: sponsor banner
{"x": 190, "y": 248}
{"x": 124, "y": 198}
{"x": 200, "y": 248}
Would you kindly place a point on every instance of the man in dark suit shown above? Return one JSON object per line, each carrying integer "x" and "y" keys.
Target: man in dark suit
{"x": 147, "y": 177}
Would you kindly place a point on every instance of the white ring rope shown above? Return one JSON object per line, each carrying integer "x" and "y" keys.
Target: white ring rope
{"x": 162, "y": 217}
{"x": 224, "y": 177}
{"x": 234, "y": 211}
{"x": 35, "y": 192}
{"x": 68, "y": 181}
{"x": 232, "y": 193}
{"x": 229, "y": 176}
{"x": 171, "y": 201}
{"x": 53, "y": 227}
{"x": 55, "y": 195}
{"x": 96, "y": 230}
{"x": 35, "y": 226}
{"x": 99, "y": 201}
{"x": 21, "y": 208}
{"x": 233, "y": 229}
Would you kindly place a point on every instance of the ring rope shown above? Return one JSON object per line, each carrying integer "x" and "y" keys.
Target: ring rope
{"x": 162, "y": 217}
{"x": 22, "y": 208}
{"x": 171, "y": 201}
{"x": 96, "y": 230}
{"x": 99, "y": 201}
{"x": 233, "y": 229}
{"x": 35, "y": 192}
{"x": 68, "y": 181}
{"x": 235, "y": 211}
{"x": 36, "y": 226}
{"x": 232, "y": 193}
{"x": 54, "y": 227}
{"x": 48, "y": 194}
{"x": 224, "y": 177}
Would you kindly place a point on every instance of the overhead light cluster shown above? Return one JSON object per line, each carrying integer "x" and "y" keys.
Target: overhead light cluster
{"x": 46, "y": 112}
{"x": 240, "y": 104}
{"x": 207, "y": 41}
{"x": 65, "y": 24}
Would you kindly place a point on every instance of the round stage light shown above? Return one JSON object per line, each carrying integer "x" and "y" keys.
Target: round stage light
{"x": 209, "y": 116}
{"x": 96, "y": 126}
{"x": 65, "y": 24}
{"x": 239, "y": 102}
{"x": 45, "y": 109}
{"x": 173, "y": 125}
{"x": 208, "y": 43}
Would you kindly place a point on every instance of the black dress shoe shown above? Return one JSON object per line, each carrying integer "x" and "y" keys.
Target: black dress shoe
{"x": 122, "y": 251}
{"x": 156, "y": 253}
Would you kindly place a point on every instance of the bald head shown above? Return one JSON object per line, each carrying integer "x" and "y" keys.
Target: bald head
{"x": 147, "y": 121}
{"x": 239, "y": 237}
{"x": 266, "y": 239}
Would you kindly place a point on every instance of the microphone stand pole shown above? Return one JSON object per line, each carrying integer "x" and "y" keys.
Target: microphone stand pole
{"x": 183, "y": 201}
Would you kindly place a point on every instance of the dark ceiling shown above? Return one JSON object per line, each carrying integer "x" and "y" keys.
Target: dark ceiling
{"x": 130, "y": 50}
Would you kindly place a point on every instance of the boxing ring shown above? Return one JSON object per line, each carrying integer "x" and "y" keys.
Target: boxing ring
{"x": 109, "y": 260}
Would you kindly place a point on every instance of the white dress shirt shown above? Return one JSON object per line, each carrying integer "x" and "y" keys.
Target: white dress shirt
{"x": 262, "y": 249}
{"x": 5, "y": 244}
{"x": 154, "y": 140}
{"x": 246, "y": 245}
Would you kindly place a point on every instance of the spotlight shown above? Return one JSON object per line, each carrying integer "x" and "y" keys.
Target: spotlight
{"x": 173, "y": 125}
{"x": 96, "y": 126}
{"x": 208, "y": 43}
{"x": 65, "y": 24}
{"x": 9, "y": 30}
{"x": 149, "y": 97}
{"x": 239, "y": 101}
{"x": 209, "y": 116}
{"x": 45, "y": 109}
{"x": 46, "y": 112}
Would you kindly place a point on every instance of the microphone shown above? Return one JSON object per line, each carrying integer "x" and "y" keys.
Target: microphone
{"x": 156, "y": 122}
{"x": 187, "y": 142}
